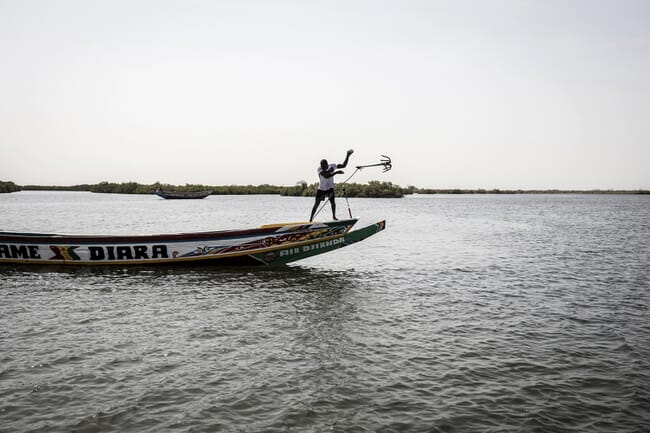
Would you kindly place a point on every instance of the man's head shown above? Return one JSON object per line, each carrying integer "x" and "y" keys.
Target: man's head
{"x": 323, "y": 164}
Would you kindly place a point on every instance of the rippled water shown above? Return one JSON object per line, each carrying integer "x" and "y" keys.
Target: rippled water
{"x": 486, "y": 313}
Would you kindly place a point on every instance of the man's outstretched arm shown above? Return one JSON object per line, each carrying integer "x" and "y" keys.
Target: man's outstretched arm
{"x": 347, "y": 157}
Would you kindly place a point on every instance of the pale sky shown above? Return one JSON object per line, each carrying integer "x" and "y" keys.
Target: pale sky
{"x": 460, "y": 94}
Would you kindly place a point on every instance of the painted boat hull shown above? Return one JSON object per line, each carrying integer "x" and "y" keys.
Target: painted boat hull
{"x": 268, "y": 245}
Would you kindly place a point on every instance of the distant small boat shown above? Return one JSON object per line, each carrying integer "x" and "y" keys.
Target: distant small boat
{"x": 172, "y": 195}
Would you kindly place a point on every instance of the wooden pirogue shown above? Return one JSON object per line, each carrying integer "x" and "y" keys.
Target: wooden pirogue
{"x": 272, "y": 244}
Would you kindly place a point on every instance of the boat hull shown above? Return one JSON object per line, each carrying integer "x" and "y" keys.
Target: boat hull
{"x": 268, "y": 245}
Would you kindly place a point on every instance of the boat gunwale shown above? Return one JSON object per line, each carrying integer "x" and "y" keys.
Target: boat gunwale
{"x": 36, "y": 238}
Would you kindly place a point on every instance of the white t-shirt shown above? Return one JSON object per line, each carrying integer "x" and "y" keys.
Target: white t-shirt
{"x": 326, "y": 182}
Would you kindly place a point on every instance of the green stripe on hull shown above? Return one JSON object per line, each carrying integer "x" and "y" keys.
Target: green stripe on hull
{"x": 291, "y": 254}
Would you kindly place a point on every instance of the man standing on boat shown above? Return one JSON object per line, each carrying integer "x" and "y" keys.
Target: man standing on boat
{"x": 326, "y": 174}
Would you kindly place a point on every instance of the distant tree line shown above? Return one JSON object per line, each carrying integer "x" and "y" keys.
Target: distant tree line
{"x": 374, "y": 189}
{"x": 8, "y": 187}
{"x": 83, "y": 187}
{"x": 527, "y": 191}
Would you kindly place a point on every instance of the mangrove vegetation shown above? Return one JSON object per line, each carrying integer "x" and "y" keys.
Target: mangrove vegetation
{"x": 8, "y": 187}
{"x": 373, "y": 189}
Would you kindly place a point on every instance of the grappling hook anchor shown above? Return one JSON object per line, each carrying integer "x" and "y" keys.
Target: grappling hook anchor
{"x": 385, "y": 162}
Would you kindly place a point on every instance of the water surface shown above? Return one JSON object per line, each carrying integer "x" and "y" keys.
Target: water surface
{"x": 482, "y": 313}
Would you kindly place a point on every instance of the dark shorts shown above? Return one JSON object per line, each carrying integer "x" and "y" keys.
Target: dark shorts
{"x": 323, "y": 194}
